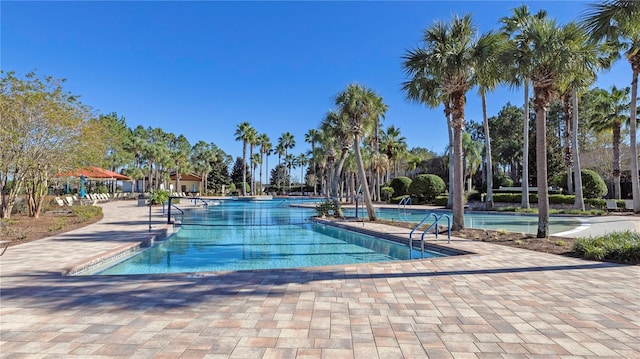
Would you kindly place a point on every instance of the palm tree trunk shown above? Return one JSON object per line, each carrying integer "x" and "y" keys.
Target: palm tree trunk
{"x": 541, "y": 167}
{"x": 579, "y": 201}
{"x": 244, "y": 168}
{"x": 363, "y": 178}
{"x": 489, "y": 166}
{"x": 451, "y": 175}
{"x": 458, "y": 206}
{"x": 525, "y": 149}
{"x": 616, "y": 161}
{"x": 635, "y": 185}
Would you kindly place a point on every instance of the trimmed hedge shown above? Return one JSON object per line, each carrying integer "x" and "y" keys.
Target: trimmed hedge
{"x": 593, "y": 186}
{"x": 426, "y": 187}
{"x": 400, "y": 186}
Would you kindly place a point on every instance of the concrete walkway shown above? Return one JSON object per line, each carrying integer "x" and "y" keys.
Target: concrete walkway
{"x": 498, "y": 302}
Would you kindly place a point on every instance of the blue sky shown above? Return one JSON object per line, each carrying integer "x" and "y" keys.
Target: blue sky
{"x": 201, "y": 68}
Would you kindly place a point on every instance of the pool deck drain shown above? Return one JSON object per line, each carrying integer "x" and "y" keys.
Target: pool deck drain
{"x": 499, "y": 302}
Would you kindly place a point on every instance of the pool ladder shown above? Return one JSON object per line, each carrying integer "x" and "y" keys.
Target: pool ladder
{"x": 433, "y": 225}
{"x": 403, "y": 202}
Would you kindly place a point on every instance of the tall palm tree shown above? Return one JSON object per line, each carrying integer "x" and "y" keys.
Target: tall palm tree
{"x": 287, "y": 142}
{"x": 445, "y": 66}
{"x": 302, "y": 161}
{"x": 618, "y": 23}
{"x": 552, "y": 57}
{"x": 280, "y": 151}
{"x": 252, "y": 140}
{"x": 201, "y": 157}
{"x": 587, "y": 58}
{"x": 611, "y": 112}
{"x": 289, "y": 161}
{"x": 256, "y": 160}
{"x": 336, "y": 127}
{"x": 472, "y": 151}
{"x": 265, "y": 147}
{"x": 361, "y": 106}
{"x": 488, "y": 76}
{"x": 394, "y": 146}
{"x": 312, "y": 137}
{"x": 517, "y": 59}
{"x": 242, "y": 134}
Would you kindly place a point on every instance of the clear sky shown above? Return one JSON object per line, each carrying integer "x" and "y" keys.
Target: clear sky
{"x": 201, "y": 68}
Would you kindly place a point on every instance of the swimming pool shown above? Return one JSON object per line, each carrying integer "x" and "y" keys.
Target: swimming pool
{"x": 238, "y": 235}
{"x": 518, "y": 222}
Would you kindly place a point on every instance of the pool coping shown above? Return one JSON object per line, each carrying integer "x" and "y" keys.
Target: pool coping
{"x": 113, "y": 255}
{"x": 436, "y": 247}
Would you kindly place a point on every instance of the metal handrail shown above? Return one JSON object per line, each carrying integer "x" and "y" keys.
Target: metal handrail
{"x": 169, "y": 210}
{"x": 434, "y": 224}
{"x": 404, "y": 202}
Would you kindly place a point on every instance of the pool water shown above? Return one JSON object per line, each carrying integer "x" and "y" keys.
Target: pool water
{"x": 258, "y": 235}
{"x": 523, "y": 223}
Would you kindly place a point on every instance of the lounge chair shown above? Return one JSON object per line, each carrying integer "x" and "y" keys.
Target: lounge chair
{"x": 612, "y": 205}
{"x": 628, "y": 204}
{"x": 59, "y": 201}
{"x": 69, "y": 201}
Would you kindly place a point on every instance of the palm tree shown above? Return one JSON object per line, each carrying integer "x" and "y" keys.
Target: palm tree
{"x": 311, "y": 137}
{"x": 472, "y": 151}
{"x": 552, "y": 58}
{"x": 618, "y": 23}
{"x": 488, "y": 76}
{"x": 335, "y": 128}
{"x": 394, "y": 146}
{"x": 290, "y": 161}
{"x": 517, "y": 58}
{"x": 444, "y": 68}
{"x": 252, "y": 140}
{"x": 361, "y": 106}
{"x": 611, "y": 112}
{"x": 242, "y": 134}
{"x": 302, "y": 161}
{"x": 256, "y": 160}
{"x": 587, "y": 58}
{"x": 265, "y": 148}
{"x": 280, "y": 150}
{"x": 287, "y": 142}
{"x": 201, "y": 156}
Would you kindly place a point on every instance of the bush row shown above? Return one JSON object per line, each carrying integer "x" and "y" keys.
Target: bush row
{"x": 617, "y": 246}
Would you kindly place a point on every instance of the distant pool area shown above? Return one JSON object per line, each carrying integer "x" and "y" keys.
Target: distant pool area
{"x": 240, "y": 235}
{"x": 511, "y": 222}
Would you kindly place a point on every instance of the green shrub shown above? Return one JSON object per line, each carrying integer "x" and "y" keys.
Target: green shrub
{"x": 617, "y": 246}
{"x": 247, "y": 188}
{"x": 475, "y": 196}
{"x": 85, "y": 213}
{"x": 58, "y": 224}
{"x": 441, "y": 201}
{"x": 386, "y": 192}
{"x": 426, "y": 187}
{"x": 593, "y": 185}
{"x": 597, "y": 202}
{"x": 400, "y": 185}
{"x": 502, "y": 180}
{"x": 397, "y": 199}
{"x": 159, "y": 196}
{"x": 327, "y": 208}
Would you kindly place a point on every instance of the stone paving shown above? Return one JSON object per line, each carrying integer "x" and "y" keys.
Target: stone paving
{"x": 500, "y": 302}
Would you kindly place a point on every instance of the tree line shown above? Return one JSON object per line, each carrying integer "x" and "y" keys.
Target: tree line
{"x": 45, "y": 130}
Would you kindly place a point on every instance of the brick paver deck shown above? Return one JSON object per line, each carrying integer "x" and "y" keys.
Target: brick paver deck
{"x": 499, "y": 302}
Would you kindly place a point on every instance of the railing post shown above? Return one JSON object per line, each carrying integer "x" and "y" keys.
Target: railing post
{"x": 169, "y": 211}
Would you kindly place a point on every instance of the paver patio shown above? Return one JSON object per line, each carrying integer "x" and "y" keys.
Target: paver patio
{"x": 499, "y": 302}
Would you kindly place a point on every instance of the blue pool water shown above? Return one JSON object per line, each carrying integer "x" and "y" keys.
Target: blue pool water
{"x": 258, "y": 235}
{"x": 523, "y": 223}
